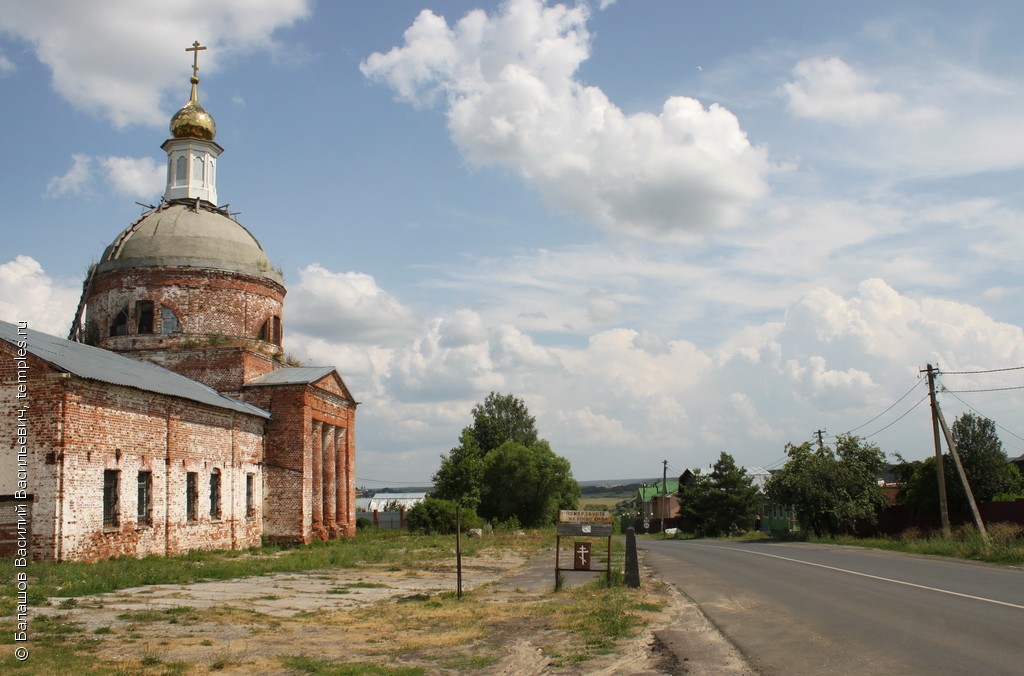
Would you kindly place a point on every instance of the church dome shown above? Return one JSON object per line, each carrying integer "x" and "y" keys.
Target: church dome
{"x": 192, "y": 121}
{"x": 180, "y": 235}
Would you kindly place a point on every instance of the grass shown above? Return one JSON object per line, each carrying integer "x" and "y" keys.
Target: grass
{"x": 440, "y": 630}
{"x": 1006, "y": 542}
{"x": 964, "y": 542}
{"x": 397, "y": 549}
{"x": 307, "y": 665}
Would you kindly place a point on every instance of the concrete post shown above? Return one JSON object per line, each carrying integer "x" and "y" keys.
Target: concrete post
{"x": 632, "y": 561}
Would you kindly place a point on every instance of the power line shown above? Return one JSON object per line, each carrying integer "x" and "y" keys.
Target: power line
{"x": 915, "y": 386}
{"x": 964, "y": 373}
{"x": 868, "y": 436}
{"x": 983, "y": 415}
{"x": 990, "y": 389}
{"x": 396, "y": 482}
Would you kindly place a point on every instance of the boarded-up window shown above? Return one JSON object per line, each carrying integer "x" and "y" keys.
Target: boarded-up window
{"x": 169, "y": 321}
{"x": 145, "y": 511}
{"x": 120, "y": 325}
{"x": 192, "y": 496}
{"x": 111, "y": 498}
{"x": 215, "y": 494}
{"x": 250, "y": 494}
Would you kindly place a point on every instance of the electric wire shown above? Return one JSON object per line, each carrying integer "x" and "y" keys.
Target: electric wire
{"x": 977, "y": 412}
{"x": 915, "y": 386}
{"x": 868, "y": 436}
{"x": 964, "y": 373}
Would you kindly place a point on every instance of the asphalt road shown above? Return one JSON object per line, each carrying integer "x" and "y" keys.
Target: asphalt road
{"x": 795, "y": 608}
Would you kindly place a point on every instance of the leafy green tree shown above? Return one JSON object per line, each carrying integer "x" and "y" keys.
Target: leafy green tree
{"x": 988, "y": 469}
{"x": 460, "y": 477}
{"x": 503, "y": 470}
{"x": 530, "y": 483}
{"x": 986, "y": 465}
{"x": 501, "y": 418}
{"x": 438, "y": 517}
{"x": 716, "y": 502}
{"x": 831, "y": 492}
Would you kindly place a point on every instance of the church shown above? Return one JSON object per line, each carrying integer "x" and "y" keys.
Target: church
{"x": 169, "y": 420}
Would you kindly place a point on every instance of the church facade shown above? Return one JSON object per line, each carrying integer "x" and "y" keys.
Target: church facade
{"x": 169, "y": 420}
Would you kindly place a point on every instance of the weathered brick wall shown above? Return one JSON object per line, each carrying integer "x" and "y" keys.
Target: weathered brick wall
{"x": 43, "y": 392}
{"x": 214, "y": 303}
{"x": 80, "y": 428}
{"x": 327, "y": 405}
{"x": 287, "y": 463}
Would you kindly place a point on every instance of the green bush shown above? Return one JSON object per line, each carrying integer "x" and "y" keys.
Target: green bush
{"x": 434, "y": 516}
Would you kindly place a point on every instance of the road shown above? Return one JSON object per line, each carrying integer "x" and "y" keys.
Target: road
{"x": 797, "y": 608}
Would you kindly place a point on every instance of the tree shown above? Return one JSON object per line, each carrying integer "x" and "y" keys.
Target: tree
{"x": 438, "y": 517}
{"x": 501, "y": 418}
{"x": 528, "y": 483}
{"x": 503, "y": 470}
{"x": 460, "y": 477}
{"x": 716, "y": 502}
{"x": 831, "y": 492}
{"x": 989, "y": 472}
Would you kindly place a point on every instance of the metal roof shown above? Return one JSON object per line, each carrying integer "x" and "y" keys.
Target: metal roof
{"x": 294, "y": 375}
{"x": 93, "y": 363}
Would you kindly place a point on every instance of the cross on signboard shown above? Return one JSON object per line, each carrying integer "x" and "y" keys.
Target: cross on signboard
{"x": 582, "y": 558}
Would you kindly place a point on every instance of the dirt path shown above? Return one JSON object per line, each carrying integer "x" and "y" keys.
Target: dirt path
{"x": 378, "y": 615}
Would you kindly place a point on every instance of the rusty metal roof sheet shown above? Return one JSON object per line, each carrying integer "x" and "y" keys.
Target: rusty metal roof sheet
{"x": 93, "y": 363}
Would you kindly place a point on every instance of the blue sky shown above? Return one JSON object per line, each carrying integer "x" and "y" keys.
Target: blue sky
{"x": 672, "y": 228}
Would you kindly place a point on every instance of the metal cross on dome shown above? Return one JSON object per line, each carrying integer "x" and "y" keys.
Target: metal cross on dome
{"x": 195, "y": 49}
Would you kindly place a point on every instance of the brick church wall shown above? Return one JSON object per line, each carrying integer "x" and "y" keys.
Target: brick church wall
{"x": 80, "y": 428}
{"x": 206, "y": 302}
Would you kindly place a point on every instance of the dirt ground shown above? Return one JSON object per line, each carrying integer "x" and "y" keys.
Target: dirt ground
{"x": 380, "y": 615}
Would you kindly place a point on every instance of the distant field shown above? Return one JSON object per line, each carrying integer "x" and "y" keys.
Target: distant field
{"x": 606, "y": 503}
{"x": 606, "y": 497}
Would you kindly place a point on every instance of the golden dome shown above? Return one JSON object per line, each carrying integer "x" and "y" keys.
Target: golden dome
{"x": 192, "y": 121}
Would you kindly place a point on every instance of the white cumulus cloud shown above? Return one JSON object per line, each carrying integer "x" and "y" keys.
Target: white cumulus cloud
{"x": 28, "y": 294}
{"x": 117, "y": 62}
{"x": 135, "y": 177}
{"x": 509, "y": 85}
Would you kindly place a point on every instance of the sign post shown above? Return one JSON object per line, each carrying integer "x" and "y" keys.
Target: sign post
{"x": 583, "y": 523}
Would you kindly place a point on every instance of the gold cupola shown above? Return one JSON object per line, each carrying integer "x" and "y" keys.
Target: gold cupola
{"x": 192, "y": 121}
{"x": 191, "y": 151}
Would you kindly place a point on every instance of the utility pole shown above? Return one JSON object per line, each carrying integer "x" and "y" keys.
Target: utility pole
{"x": 820, "y": 434}
{"x": 664, "y": 494}
{"x": 939, "y": 469}
{"x": 963, "y": 479}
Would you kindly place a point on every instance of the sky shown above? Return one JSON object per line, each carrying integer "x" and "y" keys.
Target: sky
{"x": 673, "y": 228}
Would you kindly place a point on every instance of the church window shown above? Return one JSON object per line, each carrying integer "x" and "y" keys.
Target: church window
{"x": 120, "y": 325}
{"x": 197, "y": 168}
{"x": 250, "y": 495}
{"x": 192, "y": 496}
{"x": 215, "y": 494}
{"x": 111, "y": 498}
{"x": 145, "y": 511}
{"x": 144, "y": 312}
{"x": 271, "y": 330}
{"x": 181, "y": 170}
{"x": 169, "y": 321}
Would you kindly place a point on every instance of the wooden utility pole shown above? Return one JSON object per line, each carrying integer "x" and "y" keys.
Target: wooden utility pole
{"x": 821, "y": 441}
{"x": 939, "y": 465}
{"x": 963, "y": 478}
{"x": 664, "y": 494}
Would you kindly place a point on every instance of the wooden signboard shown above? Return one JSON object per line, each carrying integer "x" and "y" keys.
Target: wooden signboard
{"x": 588, "y": 523}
